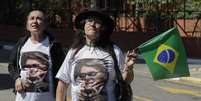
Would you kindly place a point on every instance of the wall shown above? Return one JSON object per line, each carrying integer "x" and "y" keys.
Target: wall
{"x": 124, "y": 39}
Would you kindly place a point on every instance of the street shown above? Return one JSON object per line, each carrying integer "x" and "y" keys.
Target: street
{"x": 164, "y": 34}
{"x": 6, "y": 93}
{"x": 144, "y": 88}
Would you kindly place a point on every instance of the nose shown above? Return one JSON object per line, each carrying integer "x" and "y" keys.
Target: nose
{"x": 87, "y": 77}
{"x": 34, "y": 20}
{"x": 92, "y": 23}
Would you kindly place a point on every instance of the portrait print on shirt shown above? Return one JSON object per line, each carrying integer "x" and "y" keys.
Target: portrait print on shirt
{"x": 34, "y": 71}
{"x": 91, "y": 76}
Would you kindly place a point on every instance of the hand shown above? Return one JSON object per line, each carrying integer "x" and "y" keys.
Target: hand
{"x": 19, "y": 85}
{"x": 130, "y": 59}
{"x": 39, "y": 74}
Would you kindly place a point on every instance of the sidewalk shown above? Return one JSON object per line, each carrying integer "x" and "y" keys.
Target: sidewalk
{"x": 195, "y": 74}
{"x": 194, "y": 64}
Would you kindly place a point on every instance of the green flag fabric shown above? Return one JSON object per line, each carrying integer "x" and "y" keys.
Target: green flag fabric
{"x": 165, "y": 55}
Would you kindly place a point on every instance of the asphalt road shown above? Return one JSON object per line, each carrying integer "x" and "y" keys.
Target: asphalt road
{"x": 6, "y": 85}
{"x": 144, "y": 88}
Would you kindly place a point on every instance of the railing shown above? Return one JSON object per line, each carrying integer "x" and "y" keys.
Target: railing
{"x": 130, "y": 15}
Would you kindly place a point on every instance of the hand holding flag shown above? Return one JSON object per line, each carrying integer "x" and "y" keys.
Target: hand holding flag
{"x": 130, "y": 59}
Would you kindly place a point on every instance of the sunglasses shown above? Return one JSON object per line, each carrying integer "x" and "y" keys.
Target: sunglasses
{"x": 42, "y": 67}
{"x": 90, "y": 74}
{"x": 97, "y": 21}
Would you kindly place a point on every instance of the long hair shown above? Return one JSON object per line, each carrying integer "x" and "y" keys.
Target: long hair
{"x": 103, "y": 41}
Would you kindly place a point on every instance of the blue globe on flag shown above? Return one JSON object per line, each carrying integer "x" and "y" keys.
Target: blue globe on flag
{"x": 166, "y": 56}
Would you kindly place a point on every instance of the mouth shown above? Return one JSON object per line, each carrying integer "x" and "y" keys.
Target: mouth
{"x": 92, "y": 30}
{"x": 34, "y": 26}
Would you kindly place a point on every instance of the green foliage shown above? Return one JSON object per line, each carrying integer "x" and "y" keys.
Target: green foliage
{"x": 17, "y": 9}
{"x": 59, "y": 11}
{"x": 191, "y": 7}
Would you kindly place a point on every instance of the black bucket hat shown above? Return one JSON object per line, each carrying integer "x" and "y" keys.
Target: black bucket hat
{"x": 107, "y": 21}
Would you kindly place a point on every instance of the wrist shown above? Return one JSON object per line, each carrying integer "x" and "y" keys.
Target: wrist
{"x": 127, "y": 68}
{"x": 17, "y": 79}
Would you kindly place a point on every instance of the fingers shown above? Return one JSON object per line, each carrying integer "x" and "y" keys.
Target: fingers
{"x": 18, "y": 85}
{"x": 132, "y": 54}
{"x": 130, "y": 58}
{"x": 98, "y": 82}
{"x": 26, "y": 83}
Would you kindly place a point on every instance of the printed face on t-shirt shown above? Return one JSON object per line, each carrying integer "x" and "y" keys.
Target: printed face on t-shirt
{"x": 35, "y": 65}
{"x": 92, "y": 82}
{"x": 36, "y": 70}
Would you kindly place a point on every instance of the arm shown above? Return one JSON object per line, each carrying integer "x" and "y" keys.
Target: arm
{"x": 14, "y": 70}
{"x": 61, "y": 90}
{"x": 13, "y": 67}
{"x": 128, "y": 73}
{"x": 64, "y": 78}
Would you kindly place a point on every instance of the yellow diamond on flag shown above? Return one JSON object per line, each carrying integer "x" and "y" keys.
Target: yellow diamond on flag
{"x": 167, "y": 57}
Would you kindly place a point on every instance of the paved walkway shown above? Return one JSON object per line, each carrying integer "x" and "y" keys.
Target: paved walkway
{"x": 6, "y": 83}
{"x": 194, "y": 64}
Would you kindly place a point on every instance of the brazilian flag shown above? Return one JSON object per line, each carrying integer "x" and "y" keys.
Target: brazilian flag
{"x": 165, "y": 55}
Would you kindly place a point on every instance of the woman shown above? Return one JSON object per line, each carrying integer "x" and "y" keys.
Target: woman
{"x": 36, "y": 40}
{"x": 93, "y": 41}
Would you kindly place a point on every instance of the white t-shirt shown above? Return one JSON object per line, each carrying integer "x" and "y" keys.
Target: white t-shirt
{"x": 35, "y": 65}
{"x": 67, "y": 70}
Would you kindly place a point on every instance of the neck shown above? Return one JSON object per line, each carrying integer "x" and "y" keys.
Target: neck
{"x": 89, "y": 43}
{"x": 36, "y": 38}
{"x": 89, "y": 40}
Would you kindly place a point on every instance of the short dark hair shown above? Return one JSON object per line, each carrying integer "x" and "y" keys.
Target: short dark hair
{"x": 39, "y": 56}
{"x": 89, "y": 62}
{"x": 36, "y": 9}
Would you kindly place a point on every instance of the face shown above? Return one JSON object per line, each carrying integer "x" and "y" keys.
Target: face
{"x": 35, "y": 68}
{"x": 91, "y": 74}
{"x": 92, "y": 28}
{"x": 36, "y": 22}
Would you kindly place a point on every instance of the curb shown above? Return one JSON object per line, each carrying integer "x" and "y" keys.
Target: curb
{"x": 196, "y": 69}
{"x": 192, "y": 80}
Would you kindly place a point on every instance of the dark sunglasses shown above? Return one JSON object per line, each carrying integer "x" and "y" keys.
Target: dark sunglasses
{"x": 35, "y": 66}
{"x": 94, "y": 19}
{"x": 90, "y": 74}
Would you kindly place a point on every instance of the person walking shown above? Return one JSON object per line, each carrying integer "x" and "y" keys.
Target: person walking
{"x": 33, "y": 80}
{"x": 94, "y": 30}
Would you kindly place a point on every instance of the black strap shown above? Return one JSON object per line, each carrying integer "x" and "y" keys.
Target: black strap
{"x": 116, "y": 67}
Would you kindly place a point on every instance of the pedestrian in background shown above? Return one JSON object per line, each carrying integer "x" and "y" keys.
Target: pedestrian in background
{"x": 93, "y": 41}
{"x": 37, "y": 40}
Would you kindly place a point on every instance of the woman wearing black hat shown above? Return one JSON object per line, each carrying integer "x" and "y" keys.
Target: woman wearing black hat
{"x": 93, "y": 41}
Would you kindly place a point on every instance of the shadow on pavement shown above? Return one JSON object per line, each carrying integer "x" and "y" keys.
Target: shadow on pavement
{"x": 6, "y": 82}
